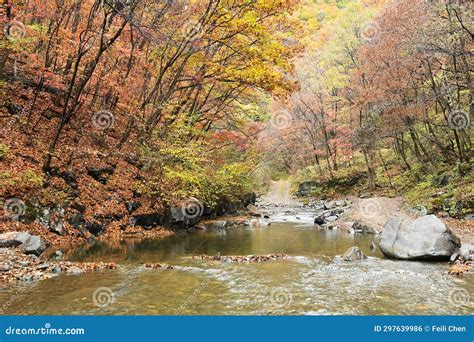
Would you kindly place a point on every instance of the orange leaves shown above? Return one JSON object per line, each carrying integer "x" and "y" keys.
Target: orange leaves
{"x": 227, "y": 137}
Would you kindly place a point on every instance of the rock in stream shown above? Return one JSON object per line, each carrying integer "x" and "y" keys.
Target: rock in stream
{"x": 426, "y": 238}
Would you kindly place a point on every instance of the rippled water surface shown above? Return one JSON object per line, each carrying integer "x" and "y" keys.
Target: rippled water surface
{"x": 312, "y": 281}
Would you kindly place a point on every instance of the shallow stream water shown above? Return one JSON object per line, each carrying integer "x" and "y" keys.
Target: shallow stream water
{"x": 313, "y": 281}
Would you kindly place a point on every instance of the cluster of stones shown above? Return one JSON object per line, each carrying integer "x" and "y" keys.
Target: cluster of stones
{"x": 241, "y": 258}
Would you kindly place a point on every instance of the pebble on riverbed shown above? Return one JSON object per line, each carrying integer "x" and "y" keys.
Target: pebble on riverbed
{"x": 354, "y": 254}
{"x": 149, "y": 265}
{"x": 241, "y": 258}
{"x": 461, "y": 267}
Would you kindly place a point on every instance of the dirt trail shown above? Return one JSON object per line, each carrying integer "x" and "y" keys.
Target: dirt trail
{"x": 280, "y": 194}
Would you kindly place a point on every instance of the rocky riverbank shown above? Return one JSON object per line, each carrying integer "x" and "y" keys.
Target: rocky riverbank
{"x": 400, "y": 232}
{"x": 36, "y": 230}
{"x": 23, "y": 256}
{"x": 34, "y": 253}
{"x": 17, "y": 266}
{"x": 70, "y": 225}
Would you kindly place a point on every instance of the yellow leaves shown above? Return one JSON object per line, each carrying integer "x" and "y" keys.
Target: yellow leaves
{"x": 328, "y": 50}
{"x": 188, "y": 169}
{"x": 251, "y": 19}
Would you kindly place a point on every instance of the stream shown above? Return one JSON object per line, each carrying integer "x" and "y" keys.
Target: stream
{"x": 312, "y": 281}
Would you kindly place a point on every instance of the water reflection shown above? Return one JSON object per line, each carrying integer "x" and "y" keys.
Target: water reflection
{"x": 312, "y": 281}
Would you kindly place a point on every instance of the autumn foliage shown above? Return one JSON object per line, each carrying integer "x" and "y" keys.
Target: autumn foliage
{"x": 152, "y": 98}
{"x": 386, "y": 88}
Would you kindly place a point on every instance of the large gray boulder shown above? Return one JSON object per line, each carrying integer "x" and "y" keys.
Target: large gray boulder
{"x": 426, "y": 238}
{"x": 34, "y": 245}
{"x": 13, "y": 239}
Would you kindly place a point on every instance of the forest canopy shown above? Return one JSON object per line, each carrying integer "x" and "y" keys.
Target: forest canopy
{"x": 105, "y": 101}
{"x": 162, "y": 96}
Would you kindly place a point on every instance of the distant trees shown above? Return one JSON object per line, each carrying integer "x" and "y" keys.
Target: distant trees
{"x": 161, "y": 81}
{"x": 387, "y": 75}
{"x": 414, "y": 83}
{"x": 176, "y": 88}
